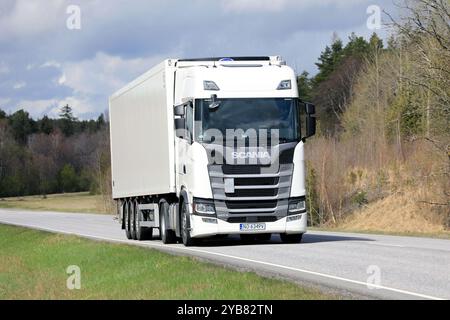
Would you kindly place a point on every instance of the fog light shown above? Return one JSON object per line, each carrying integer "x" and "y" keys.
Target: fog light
{"x": 294, "y": 218}
{"x": 209, "y": 220}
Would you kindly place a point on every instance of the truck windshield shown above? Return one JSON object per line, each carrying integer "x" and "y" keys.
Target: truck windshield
{"x": 260, "y": 114}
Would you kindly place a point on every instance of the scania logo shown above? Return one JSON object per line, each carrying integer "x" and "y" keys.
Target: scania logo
{"x": 251, "y": 155}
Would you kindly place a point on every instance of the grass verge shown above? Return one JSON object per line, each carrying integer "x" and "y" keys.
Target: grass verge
{"x": 67, "y": 202}
{"x": 33, "y": 266}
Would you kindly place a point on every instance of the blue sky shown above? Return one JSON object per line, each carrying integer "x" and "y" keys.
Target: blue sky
{"x": 44, "y": 65}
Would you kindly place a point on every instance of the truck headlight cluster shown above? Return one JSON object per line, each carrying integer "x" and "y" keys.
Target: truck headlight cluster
{"x": 204, "y": 207}
{"x": 297, "y": 206}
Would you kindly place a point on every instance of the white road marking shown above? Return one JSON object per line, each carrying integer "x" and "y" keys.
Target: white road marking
{"x": 159, "y": 245}
{"x": 385, "y": 245}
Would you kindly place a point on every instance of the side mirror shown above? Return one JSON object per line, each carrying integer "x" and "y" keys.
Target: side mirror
{"x": 179, "y": 110}
{"x": 310, "y": 108}
{"x": 310, "y": 111}
{"x": 180, "y": 128}
{"x": 310, "y": 125}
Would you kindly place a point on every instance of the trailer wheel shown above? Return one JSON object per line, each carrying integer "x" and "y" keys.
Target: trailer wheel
{"x": 291, "y": 238}
{"x": 142, "y": 233}
{"x": 167, "y": 235}
{"x": 132, "y": 213}
{"x": 185, "y": 226}
{"x": 126, "y": 214}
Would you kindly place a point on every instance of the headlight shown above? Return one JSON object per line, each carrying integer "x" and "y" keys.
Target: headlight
{"x": 204, "y": 207}
{"x": 296, "y": 206}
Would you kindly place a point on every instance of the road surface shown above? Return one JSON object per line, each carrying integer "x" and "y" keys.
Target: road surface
{"x": 373, "y": 266}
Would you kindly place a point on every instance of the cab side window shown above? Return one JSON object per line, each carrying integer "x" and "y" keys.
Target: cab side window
{"x": 190, "y": 122}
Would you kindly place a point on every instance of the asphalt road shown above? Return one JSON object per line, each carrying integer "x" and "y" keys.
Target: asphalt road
{"x": 361, "y": 265}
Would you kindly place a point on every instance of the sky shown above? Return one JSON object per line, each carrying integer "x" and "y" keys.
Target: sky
{"x": 57, "y": 52}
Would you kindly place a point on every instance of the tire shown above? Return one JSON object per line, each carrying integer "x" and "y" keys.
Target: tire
{"x": 126, "y": 216}
{"x": 132, "y": 214}
{"x": 291, "y": 238}
{"x": 167, "y": 236}
{"x": 142, "y": 233}
{"x": 185, "y": 226}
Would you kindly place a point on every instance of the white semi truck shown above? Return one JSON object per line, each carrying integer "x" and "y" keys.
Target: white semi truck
{"x": 214, "y": 146}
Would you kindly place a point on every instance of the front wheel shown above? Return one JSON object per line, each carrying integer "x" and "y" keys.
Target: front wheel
{"x": 291, "y": 238}
{"x": 167, "y": 235}
{"x": 186, "y": 226}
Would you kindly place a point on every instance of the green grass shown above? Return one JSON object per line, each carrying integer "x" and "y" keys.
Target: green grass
{"x": 67, "y": 202}
{"x": 33, "y": 266}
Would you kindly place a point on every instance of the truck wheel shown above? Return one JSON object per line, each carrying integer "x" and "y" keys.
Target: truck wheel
{"x": 167, "y": 235}
{"x": 291, "y": 238}
{"x": 126, "y": 214}
{"x": 132, "y": 213}
{"x": 185, "y": 226}
{"x": 142, "y": 233}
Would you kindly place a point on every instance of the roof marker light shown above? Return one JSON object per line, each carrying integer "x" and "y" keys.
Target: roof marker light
{"x": 210, "y": 86}
{"x": 285, "y": 85}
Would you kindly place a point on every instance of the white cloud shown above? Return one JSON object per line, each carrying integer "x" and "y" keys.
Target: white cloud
{"x": 30, "y": 18}
{"x": 4, "y": 101}
{"x": 4, "y": 69}
{"x": 104, "y": 73}
{"x": 239, "y": 6}
{"x": 50, "y": 64}
{"x": 255, "y": 5}
{"x": 37, "y": 108}
{"x": 19, "y": 85}
{"x": 62, "y": 79}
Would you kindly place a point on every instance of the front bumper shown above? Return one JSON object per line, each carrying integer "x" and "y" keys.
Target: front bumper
{"x": 201, "y": 229}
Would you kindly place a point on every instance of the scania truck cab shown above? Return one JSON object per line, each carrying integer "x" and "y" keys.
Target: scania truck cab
{"x": 231, "y": 134}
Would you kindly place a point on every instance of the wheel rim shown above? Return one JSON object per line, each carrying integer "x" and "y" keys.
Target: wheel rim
{"x": 131, "y": 217}
{"x": 184, "y": 225}
{"x": 137, "y": 221}
{"x": 163, "y": 226}
{"x": 127, "y": 217}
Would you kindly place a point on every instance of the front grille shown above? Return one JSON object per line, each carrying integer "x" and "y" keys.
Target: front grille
{"x": 253, "y": 193}
{"x": 251, "y": 204}
{"x": 241, "y": 169}
{"x": 258, "y": 194}
{"x": 256, "y": 181}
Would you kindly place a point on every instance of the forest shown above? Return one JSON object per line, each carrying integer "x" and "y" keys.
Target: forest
{"x": 380, "y": 160}
{"x": 44, "y": 156}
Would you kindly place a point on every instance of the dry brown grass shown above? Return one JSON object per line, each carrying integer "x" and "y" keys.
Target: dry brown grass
{"x": 397, "y": 213}
{"x": 360, "y": 189}
{"x": 68, "y": 202}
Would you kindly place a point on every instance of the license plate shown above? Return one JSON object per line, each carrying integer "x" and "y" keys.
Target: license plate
{"x": 252, "y": 226}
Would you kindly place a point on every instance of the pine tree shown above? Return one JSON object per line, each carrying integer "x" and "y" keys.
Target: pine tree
{"x": 67, "y": 120}
{"x": 45, "y": 125}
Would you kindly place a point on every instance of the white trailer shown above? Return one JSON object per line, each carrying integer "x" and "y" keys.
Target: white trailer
{"x": 175, "y": 167}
